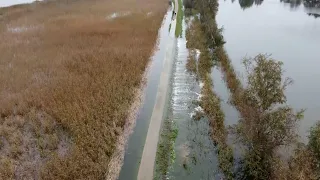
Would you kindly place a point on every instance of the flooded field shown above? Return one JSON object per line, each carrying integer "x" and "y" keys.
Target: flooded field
{"x": 195, "y": 155}
{"x": 286, "y": 30}
{"x": 289, "y": 31}
{"x": 190, "y": 150}
{"x": 6, "y": 3}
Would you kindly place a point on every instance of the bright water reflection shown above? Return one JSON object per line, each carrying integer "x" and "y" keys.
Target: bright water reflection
{"x": 310, "y": 7}
{"x": 290, "y": 32}
{"x": 6, "y": 3}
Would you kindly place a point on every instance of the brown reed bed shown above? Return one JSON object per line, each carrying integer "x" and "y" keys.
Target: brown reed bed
{"x": 69, "y": 75}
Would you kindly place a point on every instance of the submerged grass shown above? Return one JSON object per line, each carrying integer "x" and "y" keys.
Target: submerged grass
{"x": 191, "y": 62}
{"x": 232, "y": 81}
{"x": 75, "y": 71}
{"x": 209, "y": 101}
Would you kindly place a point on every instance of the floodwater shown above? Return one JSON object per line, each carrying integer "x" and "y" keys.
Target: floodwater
{"x": 286, "y": 29}
{"x": 194, "y": 149}
{"x": 7, "y": 3}
{"x": 137, "y": 139}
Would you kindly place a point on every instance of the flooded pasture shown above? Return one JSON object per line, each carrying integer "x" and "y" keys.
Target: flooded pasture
{"x": 7, "y": 3}
{"x": 289, "y": 31}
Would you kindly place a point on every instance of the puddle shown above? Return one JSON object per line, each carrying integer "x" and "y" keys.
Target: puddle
{"x": 22, "y": 29}
{"x": 116, "y": 15}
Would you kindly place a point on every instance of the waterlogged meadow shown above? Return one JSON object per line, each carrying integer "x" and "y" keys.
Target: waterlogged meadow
{"x": 71, "y": 74}
{"x": 252, "y": 148}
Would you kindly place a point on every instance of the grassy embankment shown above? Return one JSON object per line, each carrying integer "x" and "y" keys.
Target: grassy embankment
{"x": 69, "y": 75}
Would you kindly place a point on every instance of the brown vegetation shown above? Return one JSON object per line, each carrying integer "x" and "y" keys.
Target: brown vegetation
{"x": 191, "y": 62}
{"x": 68, "y": 78}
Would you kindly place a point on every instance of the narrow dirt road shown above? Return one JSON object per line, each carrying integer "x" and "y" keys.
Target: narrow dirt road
{"x": 150, "y": 148}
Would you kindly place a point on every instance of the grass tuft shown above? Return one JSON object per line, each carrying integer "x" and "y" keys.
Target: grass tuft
{"x": 166, "y": 154}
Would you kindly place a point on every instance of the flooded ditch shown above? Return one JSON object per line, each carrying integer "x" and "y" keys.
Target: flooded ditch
{"x": 137, "y": 139}
{"x": 196, "y": 158}
{"x": 193, "y": 153}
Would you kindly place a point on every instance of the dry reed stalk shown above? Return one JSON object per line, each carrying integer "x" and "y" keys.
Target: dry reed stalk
{"x": 68, "y": 60}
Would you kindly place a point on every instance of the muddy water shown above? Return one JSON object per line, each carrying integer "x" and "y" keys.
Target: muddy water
{"x": 289, "y": 30}
{"x": 137, "y": 139}
{"x": 195, "y": 155}
{"x": 6, "y": 3}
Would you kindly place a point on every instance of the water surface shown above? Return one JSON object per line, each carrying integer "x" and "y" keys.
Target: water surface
{"x": 7, "y": 3}
{"x": 195, "y": 152}
{"x": 290, "y": 31}
{"x": 137, "y": 139}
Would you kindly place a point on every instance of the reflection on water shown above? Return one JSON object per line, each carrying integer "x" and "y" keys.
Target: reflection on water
{"x": 311, "y": 3}
{"x": 6, "y": 3}
{"x": 248, "y": 3}
{"x": 290, "y": 35}
{"x": 195, "y": 152}
{"x": 311, "y": 7}
{"x": 293, "y": 3}
{"x": 315, "y": 15}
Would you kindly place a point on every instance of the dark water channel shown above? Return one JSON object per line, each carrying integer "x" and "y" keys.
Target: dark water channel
{"x": 136, "y": 141}
{"x": 195, "y": 157}
{"x": 289, "y": 30}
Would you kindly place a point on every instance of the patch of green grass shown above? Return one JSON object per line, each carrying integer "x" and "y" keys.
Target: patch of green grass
{"x": 166, "y": 154}
{"x": 179, "y": 17}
